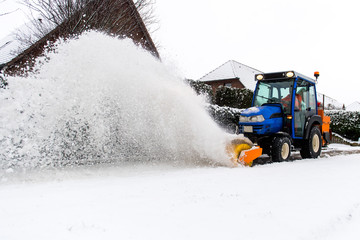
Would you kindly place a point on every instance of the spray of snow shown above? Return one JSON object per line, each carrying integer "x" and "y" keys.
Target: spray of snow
{"x": 101, "y": 99}
{"x": 251, "y": 110}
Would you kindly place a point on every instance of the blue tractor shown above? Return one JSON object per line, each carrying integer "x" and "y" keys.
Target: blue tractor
{"x": 284, "y": 116}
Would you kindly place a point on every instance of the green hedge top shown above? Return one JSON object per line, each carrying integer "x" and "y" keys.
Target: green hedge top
{"x": 224, "y": 96}
{"x": 233, "y": 97}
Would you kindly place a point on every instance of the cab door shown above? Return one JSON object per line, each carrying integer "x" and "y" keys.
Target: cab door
{"x": 304, "y": 105}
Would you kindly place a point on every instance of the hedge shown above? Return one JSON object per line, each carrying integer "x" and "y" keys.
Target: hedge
{"x": 233, "y": 97}
{"x": 345, "y": 123}
{"x": 224, "y": 96}
{"x": 225, "y": 117}
{"x": 225, "y": 107}
{"x": 202, "y": 89}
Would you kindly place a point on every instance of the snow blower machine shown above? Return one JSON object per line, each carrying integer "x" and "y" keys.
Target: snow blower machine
{"x": 285, "y": 116}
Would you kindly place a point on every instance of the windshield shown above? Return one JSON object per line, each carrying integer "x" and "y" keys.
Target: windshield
{"x": 274, "y": 92}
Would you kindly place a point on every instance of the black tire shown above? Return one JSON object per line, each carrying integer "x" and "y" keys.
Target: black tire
{"x": 311, "y": 147}
{"x": 281, "y": 149}
{"x": 265, "y": 144}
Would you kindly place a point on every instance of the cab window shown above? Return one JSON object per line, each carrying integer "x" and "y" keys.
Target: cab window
{"x": 274, "y": 92}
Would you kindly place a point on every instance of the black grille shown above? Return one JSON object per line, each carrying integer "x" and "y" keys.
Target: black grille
{"x": 257, "y": 128}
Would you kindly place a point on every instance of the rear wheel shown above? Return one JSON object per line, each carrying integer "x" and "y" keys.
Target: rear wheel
{"x": 312, "y": 147}
{"x": 281, "y": 149}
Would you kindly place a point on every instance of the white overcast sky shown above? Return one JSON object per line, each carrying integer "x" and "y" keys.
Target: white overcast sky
{"x": 305, "y": 36}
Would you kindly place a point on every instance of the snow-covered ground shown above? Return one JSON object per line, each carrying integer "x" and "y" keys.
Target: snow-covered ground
{"x": 305, "y": 199}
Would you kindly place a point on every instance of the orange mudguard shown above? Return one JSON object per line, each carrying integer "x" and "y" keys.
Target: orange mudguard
{"x": 248, "y": 156}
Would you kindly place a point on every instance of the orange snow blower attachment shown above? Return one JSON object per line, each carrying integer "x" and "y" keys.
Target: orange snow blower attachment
{"x": 243, "y": 151}
{"x": 247, "y": 157}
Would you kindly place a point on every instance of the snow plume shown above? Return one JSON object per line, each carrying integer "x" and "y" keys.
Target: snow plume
{"x": 100, "y": 99}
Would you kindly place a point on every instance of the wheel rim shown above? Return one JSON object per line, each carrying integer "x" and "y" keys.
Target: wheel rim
{"x": 285, "y": 149}
{"x": 315, "y": 143}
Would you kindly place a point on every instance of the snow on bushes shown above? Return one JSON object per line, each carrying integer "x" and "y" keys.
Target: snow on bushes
{"x": 202, "y": 89}
{"x": 233, "y": 97}
{"x": 224, "y": 96}
{"x": 225, "y": 107}
{"x": 225, "y": 117}
{"x": 345, "y": 123}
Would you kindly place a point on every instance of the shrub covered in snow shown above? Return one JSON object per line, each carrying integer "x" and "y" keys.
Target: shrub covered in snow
{"x": 233, "y": 97}
{"x": 226, "y": 117}
{"x": 345, "y": 123}
{"x": 224, "y": 96}
{"x": 225, "y": 107}
{"x": 202, "y": 88}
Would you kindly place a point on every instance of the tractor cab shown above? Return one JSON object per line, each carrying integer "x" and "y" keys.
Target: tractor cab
{"x": 284, "y": 109}
{"x": 293, "y": 93}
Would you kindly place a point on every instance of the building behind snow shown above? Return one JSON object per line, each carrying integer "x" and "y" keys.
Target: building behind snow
{"x": 329, "y": 103}
{"x": 231, "y": 74}
{"x": 355, "y": 106}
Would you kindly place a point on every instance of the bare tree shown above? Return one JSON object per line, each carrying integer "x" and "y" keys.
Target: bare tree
{"x": 114, "y": 17}
{"x": 6, "y": 13}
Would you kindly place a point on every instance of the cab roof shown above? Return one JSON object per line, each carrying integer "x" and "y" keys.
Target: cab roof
{"x": 283, "y": 75}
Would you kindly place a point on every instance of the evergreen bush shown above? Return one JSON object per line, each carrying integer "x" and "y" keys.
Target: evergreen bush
{"x": 202, "y": 89}
{"x": 233, "y": 97}
{"x": 225, "y": 107}
{"x": 225, "y": 117}
{"x": 345, "y": 123}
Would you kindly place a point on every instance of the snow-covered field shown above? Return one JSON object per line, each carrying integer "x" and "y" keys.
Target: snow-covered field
{"x": 305, "y": 199}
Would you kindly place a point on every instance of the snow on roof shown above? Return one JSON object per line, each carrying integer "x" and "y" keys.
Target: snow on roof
{"x": 355, "y": 106}
{"x": 232, "y": 69}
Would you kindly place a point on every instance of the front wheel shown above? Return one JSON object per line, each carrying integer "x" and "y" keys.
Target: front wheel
{"x": 281, "y": 149}
{"x": 312, "y": 147}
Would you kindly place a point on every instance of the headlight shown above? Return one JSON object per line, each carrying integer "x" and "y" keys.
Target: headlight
{"x": 243, "y": 119}
{"x": 290, "y": 74}
{"x": 260, "y": 77}
{"x": 257, "y": 118}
